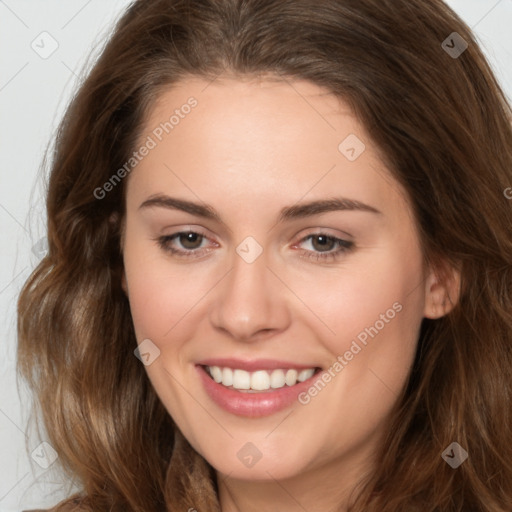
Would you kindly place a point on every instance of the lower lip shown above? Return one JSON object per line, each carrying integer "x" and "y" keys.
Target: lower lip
{"x": 252, "y": 405}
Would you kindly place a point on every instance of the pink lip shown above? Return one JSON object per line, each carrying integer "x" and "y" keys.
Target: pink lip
{"x": 253, "y": 405}
{"x": 254, "y": 365}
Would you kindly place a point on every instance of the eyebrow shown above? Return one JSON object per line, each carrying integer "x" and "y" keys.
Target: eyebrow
{"x": 297, "y": 211}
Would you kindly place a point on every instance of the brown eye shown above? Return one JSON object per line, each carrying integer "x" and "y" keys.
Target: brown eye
{"x": 326, "y": 247}
{"x": 189, "y": 240}
{"x": 325, "y": 243}
{"x": 188, "y": 244}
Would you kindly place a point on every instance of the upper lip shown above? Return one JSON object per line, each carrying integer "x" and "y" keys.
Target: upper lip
{"x": 251, "y": 365}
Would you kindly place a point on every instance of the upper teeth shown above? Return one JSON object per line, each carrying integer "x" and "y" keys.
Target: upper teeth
{"x": 260, "y": 380}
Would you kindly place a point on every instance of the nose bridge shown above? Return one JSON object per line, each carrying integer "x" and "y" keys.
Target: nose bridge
{"x": 249, "y": 300}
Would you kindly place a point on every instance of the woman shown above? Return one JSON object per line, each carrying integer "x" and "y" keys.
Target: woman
{"x": 279, "y": 267}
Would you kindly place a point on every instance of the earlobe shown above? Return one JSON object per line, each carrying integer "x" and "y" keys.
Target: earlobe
{"x": 442, "y": 291}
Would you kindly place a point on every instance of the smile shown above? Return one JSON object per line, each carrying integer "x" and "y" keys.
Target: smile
{"x": 260, "y": 380}
{"x": 259, "y": 388}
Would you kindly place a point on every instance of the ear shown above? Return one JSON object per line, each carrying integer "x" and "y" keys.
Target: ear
{"x": 442, "y": 290}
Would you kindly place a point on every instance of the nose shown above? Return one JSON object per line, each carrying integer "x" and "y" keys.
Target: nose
{"x": 251, "y": 302}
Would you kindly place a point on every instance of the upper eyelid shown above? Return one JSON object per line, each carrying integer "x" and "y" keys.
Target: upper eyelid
{"x": 342, "y": 247}
{"x": 310, "y": 232}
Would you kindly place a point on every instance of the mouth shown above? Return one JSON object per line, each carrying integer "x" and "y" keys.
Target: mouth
{"x": 259, "y": 381}
{"x": 254, "y": 389}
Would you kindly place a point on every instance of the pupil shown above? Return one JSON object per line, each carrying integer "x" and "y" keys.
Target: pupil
{"x": 323, "y": 240}
{"x": 190, "y": 238}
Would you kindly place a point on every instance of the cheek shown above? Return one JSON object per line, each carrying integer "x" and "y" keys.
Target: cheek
{"x": 381, "y": 293}
{"x": 157, "y": 297}
{"x": 376, "y": 316}
{"x": 371, "y": 313}
{"x": 167, "y": 300}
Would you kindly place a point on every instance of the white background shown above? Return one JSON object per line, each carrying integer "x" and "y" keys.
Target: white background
{"x": 33, "y": 94}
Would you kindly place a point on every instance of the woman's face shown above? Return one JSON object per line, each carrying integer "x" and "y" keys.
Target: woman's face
{"x": 269, "y": 288}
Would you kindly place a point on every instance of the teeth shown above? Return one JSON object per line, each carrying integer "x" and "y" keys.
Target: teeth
{"x": 277, "y": 379}
{"x": 261, "y": 380}
{"x": 216, "y": 373}
{"x": 291, "y": 377}
{"x": 241, "y": 379}
{"x": 305, "y": 375}
{"x": 227, "y": 377}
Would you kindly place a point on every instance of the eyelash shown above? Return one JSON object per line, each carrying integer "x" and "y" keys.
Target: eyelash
{"x": 344, "y": 246}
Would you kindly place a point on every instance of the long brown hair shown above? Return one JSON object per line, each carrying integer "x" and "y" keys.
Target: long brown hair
{"x": 444, "y": 128}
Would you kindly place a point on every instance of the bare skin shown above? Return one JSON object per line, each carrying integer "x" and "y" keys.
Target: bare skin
{"x": 250, "y": 148}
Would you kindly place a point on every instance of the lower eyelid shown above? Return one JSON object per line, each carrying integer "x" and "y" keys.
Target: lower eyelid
{"x": 340, "y": 242}
{"x": 341, "y": 245}
{"x": 168, "y": 239}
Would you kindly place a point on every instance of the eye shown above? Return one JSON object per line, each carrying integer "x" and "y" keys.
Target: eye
{"x": 331, "y": 248}
{"x": 190, "y": 240}
{"x": 325, "y": 247}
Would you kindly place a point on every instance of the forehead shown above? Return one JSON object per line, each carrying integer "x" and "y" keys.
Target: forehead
{"x": 230, "y": 105}
{"x": 257, "y": 136}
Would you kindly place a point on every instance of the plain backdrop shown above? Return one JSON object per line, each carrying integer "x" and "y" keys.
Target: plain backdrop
{"x": 44, "y": 45}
